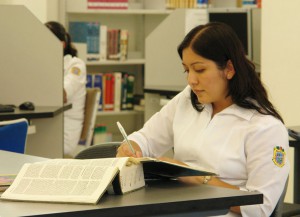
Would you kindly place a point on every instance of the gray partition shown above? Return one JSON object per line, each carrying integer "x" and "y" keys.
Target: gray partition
{"x": 163, "y": 68}
{"x": 31, "y": 69}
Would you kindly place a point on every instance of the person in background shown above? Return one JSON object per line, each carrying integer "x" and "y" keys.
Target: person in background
{"x": 221, "y": 122}
{"x": 74, "y": 89}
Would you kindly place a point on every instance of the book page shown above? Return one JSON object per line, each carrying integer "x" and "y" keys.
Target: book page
{"x": 132, "y": 177}
{"x": 64, "y": 180}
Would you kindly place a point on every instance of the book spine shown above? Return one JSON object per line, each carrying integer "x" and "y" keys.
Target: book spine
{"x": 123, "y": 44}
{"x": 89, "y": 81}
{"x": 124, "y": 91}
{"x": 109, "y": 92}
{"x": 92, "y": 40}
{"x": 129, "y": 96}
{"x": 78, "y": 31}
{"x": 98, "y": 82}
{"x": 109, "y": 43}
{"x": 117, "y": 91}
{"x": 103, "y": 42}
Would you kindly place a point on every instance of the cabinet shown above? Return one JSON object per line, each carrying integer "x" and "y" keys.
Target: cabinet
{"x": 140, "y": 23}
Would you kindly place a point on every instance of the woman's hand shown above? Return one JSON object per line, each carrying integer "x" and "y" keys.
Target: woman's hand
{"x": 125, "y": 151}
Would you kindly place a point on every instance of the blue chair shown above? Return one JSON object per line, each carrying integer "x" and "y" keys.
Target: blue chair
{"x": 13, "y": 135}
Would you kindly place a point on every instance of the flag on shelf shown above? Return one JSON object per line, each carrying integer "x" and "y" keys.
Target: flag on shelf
{"x": 107, "y": 4}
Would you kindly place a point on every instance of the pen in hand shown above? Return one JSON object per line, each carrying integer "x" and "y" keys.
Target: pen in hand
{"x": 125, "y": 137}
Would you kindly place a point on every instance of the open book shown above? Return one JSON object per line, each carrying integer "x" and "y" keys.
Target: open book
{"x": 85, "y": 181}
{"x": 6, "y": 181}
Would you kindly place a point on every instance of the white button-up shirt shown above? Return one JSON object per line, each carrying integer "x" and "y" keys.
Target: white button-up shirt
{"x": 74, "y": 85}
{"x": 241, "y": 145}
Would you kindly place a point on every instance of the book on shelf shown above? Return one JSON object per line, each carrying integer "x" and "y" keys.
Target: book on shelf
{"x": 124, "y": 91}
{"x": 117, "y": 91}
{"x": 98, "y": 82}
{"x": 123, "y": 44}
{"x": 89, "y": 81}
{"x": 103, "y": 42}
{"x": 113, "y": 38}
{"x": 88, "y": 33}
{"x": 129, "y": 92}
{"x": 85, "y": 181}
{"x": 109, "y": 80}
{"x": 93, "y": 41}
{"x": 116, "y": 88}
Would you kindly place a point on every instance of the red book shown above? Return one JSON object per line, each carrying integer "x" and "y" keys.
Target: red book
{"x": 109, "y": 92}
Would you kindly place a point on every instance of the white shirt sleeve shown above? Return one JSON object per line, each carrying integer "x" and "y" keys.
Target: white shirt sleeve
{"x": 267, "y": 174}
{"x": 75, "y": 77}
{"x": 159, "y": 130}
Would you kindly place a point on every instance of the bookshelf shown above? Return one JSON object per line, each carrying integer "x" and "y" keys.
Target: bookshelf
{"x": 140, "y": 23}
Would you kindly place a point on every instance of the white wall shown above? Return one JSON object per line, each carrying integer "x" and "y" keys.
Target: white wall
{"x": 44, "y": 10}
{"x": 280, "y": 61}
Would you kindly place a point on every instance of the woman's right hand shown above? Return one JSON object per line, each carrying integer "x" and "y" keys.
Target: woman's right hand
{"x": 125, "y": 151}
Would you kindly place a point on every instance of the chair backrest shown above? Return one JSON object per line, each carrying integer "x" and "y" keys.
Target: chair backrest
{"x": 103, "y": 150}
{"x": 13, "y": 135}
{"x": 278, "y": 211}
{"x": 90, "y": 113}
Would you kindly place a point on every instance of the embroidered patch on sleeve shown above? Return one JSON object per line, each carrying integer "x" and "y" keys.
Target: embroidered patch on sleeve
{"x": 75, "y": 71}
{"x": 279, "y": 156}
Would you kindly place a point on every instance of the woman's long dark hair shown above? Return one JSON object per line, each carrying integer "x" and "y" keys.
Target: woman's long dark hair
{"x": 218, "y": 42}
{"x": 60, "y": 32}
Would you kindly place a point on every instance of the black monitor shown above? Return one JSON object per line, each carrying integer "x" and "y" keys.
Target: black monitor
{"x": 240, "y": 20}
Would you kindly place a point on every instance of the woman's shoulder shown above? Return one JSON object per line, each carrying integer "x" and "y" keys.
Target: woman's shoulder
{"x": 73, "y": 59}
{"x": 267, "y": 123}
{"x": 71, "y": 62}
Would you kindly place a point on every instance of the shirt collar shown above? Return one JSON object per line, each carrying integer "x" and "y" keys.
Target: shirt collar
{"x": 233, "y": 110}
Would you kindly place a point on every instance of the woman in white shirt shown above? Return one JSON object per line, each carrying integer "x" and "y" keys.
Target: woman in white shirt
{"x": 74, "y": 89}
{"x": 221, "y": 122}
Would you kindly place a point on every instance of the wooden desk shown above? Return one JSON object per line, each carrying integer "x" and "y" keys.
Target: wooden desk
{"x": 158, "y": 198}
{"x": 47, "y": 122}
{"x": 296, "y": 145}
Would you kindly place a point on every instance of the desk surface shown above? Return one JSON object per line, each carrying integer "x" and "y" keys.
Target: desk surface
{"x": 163, "y": 197}
{"x": 39, "y": 112}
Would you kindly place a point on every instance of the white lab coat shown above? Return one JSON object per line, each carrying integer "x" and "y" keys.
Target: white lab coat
{"x": 237, "y": 144}
{"x": 74, "y": 85}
